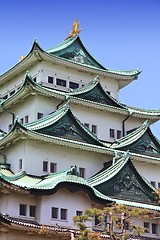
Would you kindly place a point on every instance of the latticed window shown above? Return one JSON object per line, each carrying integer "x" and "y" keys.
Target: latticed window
{"x": 112, "y": 133}
{"x": 119, "y": 134}
{"x": 32, "y": 210}
{"x": 73, "y": 85}
{"x": 50, "y": 79}
{"x": 82, "y": 172}
{"x": 79, "y": 213}
{"x": 154, "y": 228}
{"x": 53, "y": 167}
{"x": 94, "y": 129}
{"x": 23, "y": 209}
{"x": 63, "y": 214}
{"x": 61, "y": 82}
{"x": 39, "y": 115}
{"x": 146, "y": 227}
{"x": 45, "y": 166}
{"x": 55, "y": 212}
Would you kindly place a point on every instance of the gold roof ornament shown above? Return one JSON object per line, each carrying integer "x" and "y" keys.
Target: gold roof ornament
{"x": 75, "y": 28}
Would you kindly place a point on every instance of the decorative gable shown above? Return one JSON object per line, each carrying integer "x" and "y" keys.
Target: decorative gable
{"x": 122, "y": 181}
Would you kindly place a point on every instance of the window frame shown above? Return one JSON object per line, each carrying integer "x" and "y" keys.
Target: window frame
{"x": 55, "y": 213}
{"x": 22, "y": 209}
{"x": 82, "y": 172}
{"x": 94, "y": 129}
{"x": 61, "y": 82}
{"x": 63, "y": 214}
{"x": 32, "y": 211}
{"x": 45, "y": 166}
{"x": 112, "y": 133}
{"x": 73, "y": 85}
{"x": 20, "y": 164}
{"x": 53, "y": 166}
{"x": 39, "y": 115}
{"x": 50, "y": 79}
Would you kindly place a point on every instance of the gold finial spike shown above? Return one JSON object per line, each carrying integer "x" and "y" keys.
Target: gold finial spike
{"x": 75, "y": 28}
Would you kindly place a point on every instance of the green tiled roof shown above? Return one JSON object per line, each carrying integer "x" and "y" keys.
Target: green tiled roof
{"x": 64, "y": 124}
{"x": 110, "y": 172}
{"x": 122, "y": 181}
{"x": 141, "y": 141}
{"x": 131, "y": 137}
{"x": 72, "y": 49}
{"x": 49, "y": 182}
{"x": 93, "y": 91}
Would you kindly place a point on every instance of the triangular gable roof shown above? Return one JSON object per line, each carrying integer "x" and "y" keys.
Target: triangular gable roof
{"x": 122, "y": 181}
{"x": 90, "y": 65}
{"x": 140, "y": 140}
{"x": 82, "y": 137}
{"x": 62, "y": 123}
{"x": 73, "y": 49}
{"x": 93, "y": 91}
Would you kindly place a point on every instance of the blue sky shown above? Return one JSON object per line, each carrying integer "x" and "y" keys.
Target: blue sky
{"x": 120, "y": 34}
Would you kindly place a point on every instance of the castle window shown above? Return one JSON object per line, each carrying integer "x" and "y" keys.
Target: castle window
{"x": 45, "y": 166}
{"x": 39, "y": 115}
{"x": 53, "y": 167}
{"x": 154, "y": 228}
{"x": 26, "y": 119}
{"x": 20, "y": 164}
{"x": 32, "y": 211}
{"x": 82, "y": 172}
{"x": 119, "y": 134}
{"x": 73, "y": 85}
{"x": 63, "y": 214}
{"x": 79, "y": 213}
{"x": 35, "y": 79}
{"x": 54, "y": 212}
{"x": 112, "y": 133}
{"x": 23, "y": 209}
{"x": 61, "y": 82}
{"x": 50, "y": 79}
{"x": 94, "y": 129}
{"x": 146, "y": 227}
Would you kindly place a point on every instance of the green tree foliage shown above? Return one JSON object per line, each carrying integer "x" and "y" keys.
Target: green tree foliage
{"x": 111, "y": 218}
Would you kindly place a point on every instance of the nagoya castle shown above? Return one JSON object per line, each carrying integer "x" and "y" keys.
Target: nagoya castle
{"x": 68, "y": 144}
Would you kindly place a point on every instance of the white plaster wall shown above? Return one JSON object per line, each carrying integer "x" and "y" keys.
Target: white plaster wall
{"x": 73, "y": 202}
{"x": 149, "y": 170}
{"x": 16, "y": 81}
{"x": 15, "y": 152}
{"x": 29, "y": 106}
{"x": 37, "y": 152}
{"x": 33, "y": 153}
{"x": 48, "y": 69}
{"x": 12, "y": 202}
{"x": 104, "y": 120}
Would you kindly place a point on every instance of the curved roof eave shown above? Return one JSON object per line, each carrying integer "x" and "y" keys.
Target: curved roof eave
{"x": 30, "y": 58}
{"x": 21, "y": 132}
{"x": 119, "y": 75}
{"x": 131, "y": 137}
{"x": 30, "y": 87}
